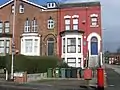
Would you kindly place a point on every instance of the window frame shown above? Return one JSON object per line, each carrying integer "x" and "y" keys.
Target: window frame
{"x": 28, "y": 48}
{"x": 94, "y": 20}
{"x": 8, "y": 47}
{"x": 74, "y": 45}
{"x": 75, "y": 24}
{"x": 1, "y": 28}
{"x": 21, "y": 8}
{"x": 79, "y": 45}
{"x": 34, "y": 25}
{"x": 7, "y": 27}
{"x": 71, "y": 62}
{"x": 63, "y": 45}
{"x": 51, "y": 23}
{"x": 2, "y": 46}
{"x": 27, "y": 26}
{"x": 67, "y": 24}
{"x": 12, "y": 8}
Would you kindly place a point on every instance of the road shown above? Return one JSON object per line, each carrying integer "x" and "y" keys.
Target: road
{"x": 113, "y": 77}
{"x": 13, "y": 86}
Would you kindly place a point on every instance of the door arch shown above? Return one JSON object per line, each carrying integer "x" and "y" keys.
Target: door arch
{"x": 94, "y": 46}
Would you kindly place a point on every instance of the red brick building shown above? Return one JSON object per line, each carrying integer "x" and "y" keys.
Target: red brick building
{"x": 114, "y": 58}
{"x": 69, "y": 30}
{"x": 80, "y": 32}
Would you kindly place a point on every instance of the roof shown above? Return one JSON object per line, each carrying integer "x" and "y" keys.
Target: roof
{"x": 81, "y": 4}
{"x": 78, "y": 1}
{"x": 37, "y": 5}
{"x": 34, "y": 4}
{"x": 6, "y": 3}
{"x": 112, "y": 54}
{"x": 71, "y": 31}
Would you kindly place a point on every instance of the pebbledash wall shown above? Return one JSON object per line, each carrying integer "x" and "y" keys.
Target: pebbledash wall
{"x": 68, "y": 30}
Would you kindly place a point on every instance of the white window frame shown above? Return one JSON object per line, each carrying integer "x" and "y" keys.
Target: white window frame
{"x": 71, "y": 61}
{"x": 51, "y": 24}
{"x": 5, "y": 46}
{"x": 2, "y": 46}
{"x": 67, "y": 24}
{"x": 21, "y": 8}
{"x": 28, "y": 45}
{"x": 94, "y": 20}
{"x": 7, "y": 27}
{"x": 79, "y": 45}
{"x": 75, "y": 23}
{"x": 63, "y": 45}
{"x": 27, "y": 26}
{"x": 1, "y": 27}
{"x": 35, "y": 45}
{"x": 34, "y": 25}
{"x": 71, "y": 46}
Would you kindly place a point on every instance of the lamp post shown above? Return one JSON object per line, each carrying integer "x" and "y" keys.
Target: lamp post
{"x": 13, "y": 43}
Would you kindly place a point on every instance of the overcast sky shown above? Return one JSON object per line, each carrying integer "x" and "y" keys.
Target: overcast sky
{"x": 110, "y": 19}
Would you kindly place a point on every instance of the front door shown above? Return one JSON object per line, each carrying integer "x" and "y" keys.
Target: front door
{"x": 94, "y": 46}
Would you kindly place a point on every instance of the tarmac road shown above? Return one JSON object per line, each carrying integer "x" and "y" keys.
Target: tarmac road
{"x": 113, "y": 79}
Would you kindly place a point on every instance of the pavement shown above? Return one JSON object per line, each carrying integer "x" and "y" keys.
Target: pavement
{"x": 50, "y": 84}
{"x": 54, "y": 84}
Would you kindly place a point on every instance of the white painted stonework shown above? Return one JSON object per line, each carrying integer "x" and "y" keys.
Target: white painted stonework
{"x": 32, "y": 36}
{"x": 73, "y": 55}
{"x": 89, "y": 41}
{"x": 93, "y": 59}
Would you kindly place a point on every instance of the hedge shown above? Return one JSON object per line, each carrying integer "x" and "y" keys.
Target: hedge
{"x": 33, "y": 64}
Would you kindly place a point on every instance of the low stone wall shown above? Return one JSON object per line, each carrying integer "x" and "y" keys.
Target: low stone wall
{"x": 36, "y": 77}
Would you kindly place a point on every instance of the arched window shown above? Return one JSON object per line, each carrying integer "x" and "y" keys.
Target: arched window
{"x": 21, "y": 8}
{"x": 50, "y": 46}
{"x": 27, "y": 26}
{"x": 94, "y": 46}
{"x": 34, "y": 25}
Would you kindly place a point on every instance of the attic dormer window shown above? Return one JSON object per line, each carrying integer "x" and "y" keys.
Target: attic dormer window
{"x": 21, "y": 8}
{"x": 51, "y": 5}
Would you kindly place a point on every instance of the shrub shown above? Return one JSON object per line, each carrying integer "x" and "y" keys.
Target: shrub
{"x": 31, "y": 64}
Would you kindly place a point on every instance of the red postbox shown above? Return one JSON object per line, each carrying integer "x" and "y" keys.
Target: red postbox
{"x": 100, "y": 77}
{"x": 87, "y": 74}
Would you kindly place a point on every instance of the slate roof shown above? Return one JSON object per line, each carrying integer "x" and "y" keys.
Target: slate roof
{"x": 81, "y": 4}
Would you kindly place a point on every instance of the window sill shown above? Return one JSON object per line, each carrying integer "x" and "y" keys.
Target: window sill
{"x": 94, "y": 26}
{"x": 21, "y": 12}
{"x": 50, "y": 28}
